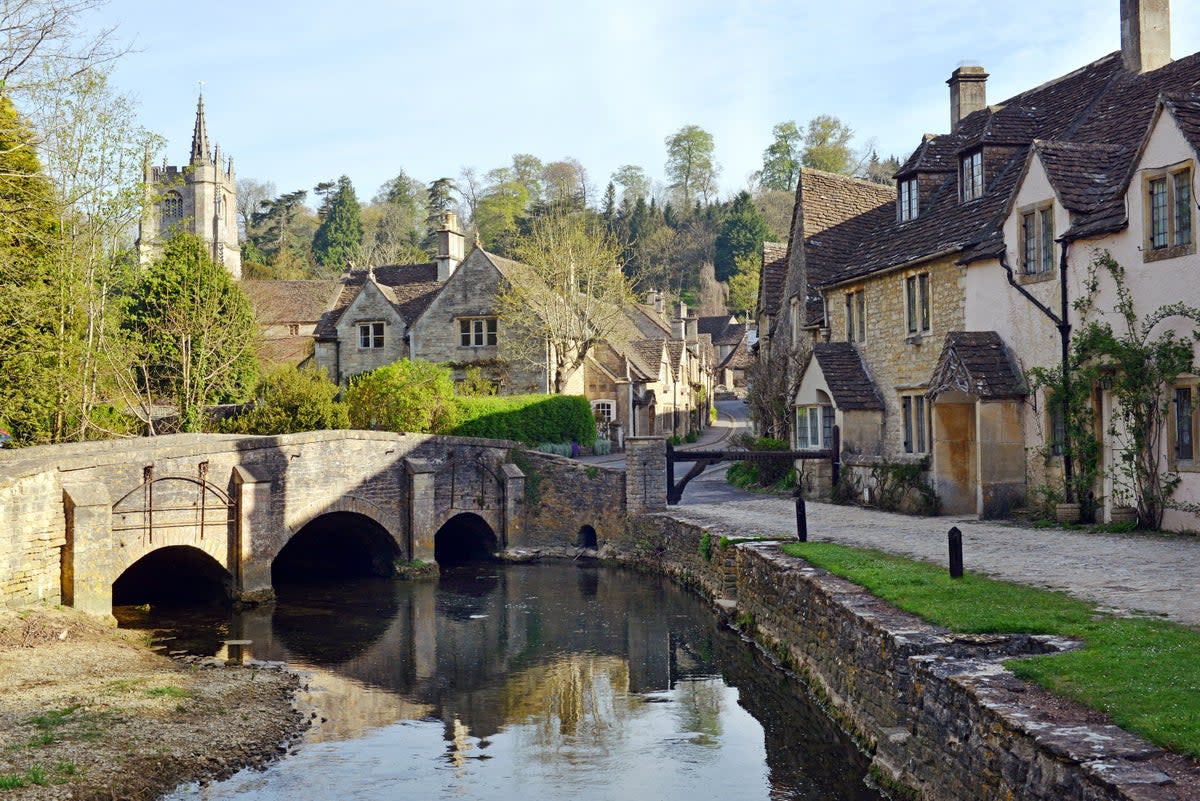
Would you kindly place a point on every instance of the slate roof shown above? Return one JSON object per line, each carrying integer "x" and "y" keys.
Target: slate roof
{"x": 774, "y": 273}
{"x": 282, "y": 302}
{"x": 979, "y": 364}
{"x": 409, "y": 288}
{"x": 1098, "y": 104}
{"x": 846, "y": 376}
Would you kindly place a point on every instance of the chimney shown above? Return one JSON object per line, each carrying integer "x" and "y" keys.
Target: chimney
{"x": 1145, "y": 34}
{"x": 450, "y": 242}
{"x": 968, "y": 92}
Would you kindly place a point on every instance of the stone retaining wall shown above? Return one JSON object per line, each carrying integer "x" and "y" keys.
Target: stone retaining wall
{"x": 562, "y": 496}
{"x": 942, "y": 718}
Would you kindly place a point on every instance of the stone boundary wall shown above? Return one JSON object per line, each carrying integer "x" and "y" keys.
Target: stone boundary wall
{"x": 942, "y": 718}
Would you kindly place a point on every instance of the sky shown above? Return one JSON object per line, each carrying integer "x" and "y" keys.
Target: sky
{"x": 303, "y": 92}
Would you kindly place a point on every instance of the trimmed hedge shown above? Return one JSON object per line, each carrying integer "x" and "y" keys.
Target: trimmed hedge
{"x": 531, "y": 419}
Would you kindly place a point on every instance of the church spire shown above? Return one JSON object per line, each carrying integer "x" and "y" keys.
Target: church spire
{"x": 200, "y": 153}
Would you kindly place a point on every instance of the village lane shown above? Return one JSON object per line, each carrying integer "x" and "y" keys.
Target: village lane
{"x": 1153, "y": 574}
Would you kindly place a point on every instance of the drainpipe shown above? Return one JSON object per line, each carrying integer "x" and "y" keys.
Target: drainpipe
{"x": 1062, "y": 323}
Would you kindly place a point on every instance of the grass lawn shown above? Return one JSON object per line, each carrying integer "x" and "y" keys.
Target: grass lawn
{"x": 1145, "y": 674}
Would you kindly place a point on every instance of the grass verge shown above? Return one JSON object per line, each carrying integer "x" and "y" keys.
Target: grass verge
{"x": 1144, "y": 674}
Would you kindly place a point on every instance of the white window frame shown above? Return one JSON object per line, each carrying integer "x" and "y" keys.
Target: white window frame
{"x": 1035, "y": 228}
{"x": 971, "y": 176}
{"x": 918, "y": 303}
{"x": 814, "y": 426}
{"x": 909, "y": 203}
{"x": 371, "y": 335}
{"x": 917, "y": 419}
{"x": 477, "y": 332}
{"x": 604, "y": 410}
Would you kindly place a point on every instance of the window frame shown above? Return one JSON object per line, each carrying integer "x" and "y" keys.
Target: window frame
{"x": 371, "y": 335}
{"x": 819, "y": 421}
{"x": 172, "y": 208}
{"x": 1178, "y": 424}
{"x": 918, "y": 304}
{"x": 908, "y": 200}
{"x": 1035, "y": 240}
{"x": 970, "y": 176}
{"x": 478, "y": 332}
{"x": 856, "y": 315}
{"x": 916, "y": 409}
{"x": 1169, "y": 215}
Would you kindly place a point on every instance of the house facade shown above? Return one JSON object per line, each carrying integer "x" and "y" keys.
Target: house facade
{"x": 939, "y": 303}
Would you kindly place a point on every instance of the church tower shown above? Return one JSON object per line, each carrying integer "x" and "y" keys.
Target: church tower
{"x": 200, "y": 198}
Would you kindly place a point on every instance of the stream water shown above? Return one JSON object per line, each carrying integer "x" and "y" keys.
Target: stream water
{"x": 523, "y": 682}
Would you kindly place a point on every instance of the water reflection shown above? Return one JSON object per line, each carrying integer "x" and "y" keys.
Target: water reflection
{"x": 535, "y": 681}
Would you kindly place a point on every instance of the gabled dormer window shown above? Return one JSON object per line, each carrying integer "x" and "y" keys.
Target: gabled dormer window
{"x": 908, "y": 199}
{"x": 971, "y": 176}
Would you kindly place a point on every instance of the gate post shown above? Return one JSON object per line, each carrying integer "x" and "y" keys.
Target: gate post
{"x": 645, "y": 474}
{"x": 85, "y": 580}
{"x": 250, "y": 551}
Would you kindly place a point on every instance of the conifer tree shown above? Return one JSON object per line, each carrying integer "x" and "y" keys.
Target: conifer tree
{"x": 338, "y": 240}
{"x": 741, "y": 234}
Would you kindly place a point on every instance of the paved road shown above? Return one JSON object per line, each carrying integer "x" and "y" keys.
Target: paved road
{"x": 1151, "y": 574}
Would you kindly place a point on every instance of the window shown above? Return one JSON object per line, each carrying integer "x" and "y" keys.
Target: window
{"x": 856, "y": 316}
{"x": 370, "y": 336}
{"x": 916, "y": 423}
{"x": 1058, "y": 426}
{"x": 476, "y": 332}
{"x": 1169, "y": 210}
{"x": 971, "y": 177}
{"x": 293, "y": 329}
{"x": 172, "y": 208}
{"x": 605, "y": 411}
{"x": 1037, "y": 240}
{"x": 814, "y": 427}
{"x": 909, "y": 205}
{"x": 916, "y": 296}
{"x": 1185, "y": 420}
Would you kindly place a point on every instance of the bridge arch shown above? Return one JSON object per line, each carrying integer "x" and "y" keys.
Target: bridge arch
{"x": 465, "y": 537}
{"x": 173, "y": 574}
{"x": 338, "y": 543}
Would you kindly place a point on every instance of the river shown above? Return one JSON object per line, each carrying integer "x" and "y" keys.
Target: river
{"x": 522, "y": 682}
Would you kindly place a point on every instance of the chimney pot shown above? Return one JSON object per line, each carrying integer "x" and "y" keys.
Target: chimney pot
{"x": 968, "y": 93}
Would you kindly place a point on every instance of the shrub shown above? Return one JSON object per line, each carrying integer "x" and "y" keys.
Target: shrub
{"x": 602, "y": 447}
{"x": 556, "y": 448}
{"x": 288, "y": 400}
{"x": 530, "y": 419}
{"x": 900, "y": 486}
{"x": 406, "y": 395}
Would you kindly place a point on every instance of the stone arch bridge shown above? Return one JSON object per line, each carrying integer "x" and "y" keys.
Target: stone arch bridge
{"x": 74, "y": 518}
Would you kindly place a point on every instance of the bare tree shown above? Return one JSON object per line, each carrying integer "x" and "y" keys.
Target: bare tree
{"x": 40, "y": 34}
{"x": 773, "y": 380}
{"x": 568, "y": 295}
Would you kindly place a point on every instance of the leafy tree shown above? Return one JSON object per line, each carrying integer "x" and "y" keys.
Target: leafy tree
{"x": 394, "y": 223}
{"x": 827, "y": 145}
{"x": 193, "y": 330}
{"x": 407, "y": 395}
{"x": 742, "y": 234}
{"x": 690, "y": 166}
{"x": 289, "y": 400}
{"x": 474, "y": 384}
{"x": 781, "y": 159}
{"x": 501, "y": 206}
{"x": 567, "y": 295}
{"x": 338, "y": 239}
{"x": 564, "y": 186}
{"x": 634, "y": 183}
{"x": 743, "y": 286}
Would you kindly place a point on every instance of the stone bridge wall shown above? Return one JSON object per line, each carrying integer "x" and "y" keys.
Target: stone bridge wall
{"x": 563, "y": 495}
{"x": 63, "y": 542}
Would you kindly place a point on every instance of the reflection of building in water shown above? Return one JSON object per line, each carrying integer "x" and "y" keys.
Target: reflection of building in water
{"x": 498, "y": 647}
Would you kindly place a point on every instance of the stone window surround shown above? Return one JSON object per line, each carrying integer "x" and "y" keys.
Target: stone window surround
{"x": 1192, "y": 385}
{"x": 856, "y": 314}
{"x": 1168, "y": 174}
{"x": 1043, "y": 268}
{"x": 371, "y": 334}
{"x": 918, "y": 429}
{"x": 908, "y": 202}
{"x": 172, "y": 208}
{"x": 477, "y": 332}
{"x": 921, "y": 305}
{"x": 970, "y": 176}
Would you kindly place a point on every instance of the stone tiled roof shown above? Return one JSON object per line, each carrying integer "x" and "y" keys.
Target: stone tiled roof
{"x": 774, "y": 272}
{"x": 1088, "y": 179}
{"x": 740, "y": 358}
{"x": 648, "y": 354}
{"x": 284, "y": 350}
{"x": 979, "y": 364}
{"x": 282, "y": 302}
{"x": 675, "y": 356}
{"x": 410, "y": 288}
{"x": 846, "y": 376}
{"x": 1185, "y": 108}
{"x": 648, "y": 322}
{"x": 723, "y": 328}
{"x": 1098, "y": 104}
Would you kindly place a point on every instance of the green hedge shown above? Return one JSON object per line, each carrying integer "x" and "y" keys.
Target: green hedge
{"x": 531, "y": 419}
